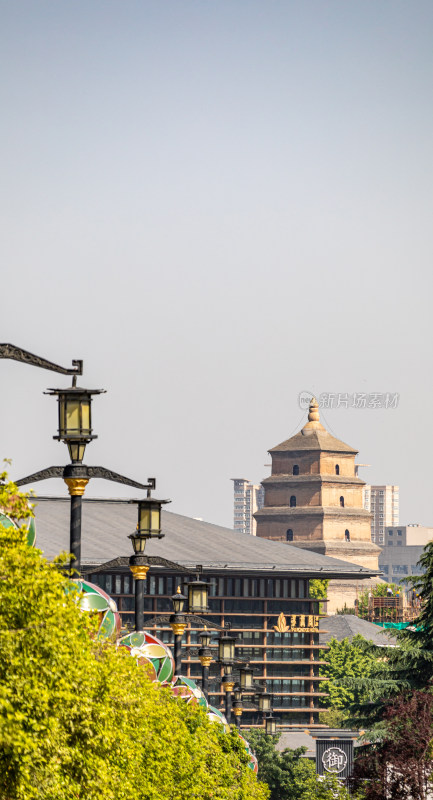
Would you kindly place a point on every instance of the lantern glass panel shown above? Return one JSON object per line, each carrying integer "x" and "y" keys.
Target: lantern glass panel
{"x": 178, "y": 601}
{"x": 62, "y": 415}
{"x": 264, "y": 702}
{"x": 85, "y": 415}
{"x": 226, "y": 649}
{"x": 271, "y": 726}
{"x": 246, "y": 676}
{"x": 145, "y": 517}
{"x": 76, "y": 450}
{"x": 198, "y": 593}
{"x": 205, "y": 638}
{"x": 138, "y": 543}
{"x": 72, "y": 415}
{"x": 155, "y": 516}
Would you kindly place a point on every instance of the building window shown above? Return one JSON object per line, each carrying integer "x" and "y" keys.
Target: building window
{"x": 342, "y": 502}
{"x": 337, "y": 469}
{"x": 346, "y": 535}
{"x": 295, "y": 469}
{"x": 293, "y": 501}
{"x": 289, "y": 535}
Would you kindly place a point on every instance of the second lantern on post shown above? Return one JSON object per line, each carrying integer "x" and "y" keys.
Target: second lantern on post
{"x": 148, "y": 527}
{"x": 178, "y": 625}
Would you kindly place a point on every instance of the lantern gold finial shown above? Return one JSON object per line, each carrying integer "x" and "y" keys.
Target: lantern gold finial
{"x": 178, "y": 590}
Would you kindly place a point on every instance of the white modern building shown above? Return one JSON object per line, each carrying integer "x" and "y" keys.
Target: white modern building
{"x": 383, "y": 503}
{"x": 247, "y": 498}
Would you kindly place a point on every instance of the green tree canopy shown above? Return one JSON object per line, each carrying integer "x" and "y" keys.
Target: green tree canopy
{"x": 289, "y": 775}
{"x": 403, "y": 669}
{"x": 79, "y": 720}
{"x": 346, "y": 659}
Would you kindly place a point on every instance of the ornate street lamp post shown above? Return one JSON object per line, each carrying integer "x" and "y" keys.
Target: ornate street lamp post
{"x": 205, "y": 657}
{"x": 148, "y": 527}
{"x": 226, "y": 657}
{"x": 237, "y": 705}
{"x": 178, "y": 625}
{"x": 75, "y": 429}
{"x": 195, "y": 603}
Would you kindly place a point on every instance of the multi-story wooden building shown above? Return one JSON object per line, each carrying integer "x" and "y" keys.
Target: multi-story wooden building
{"x": 261, "y": 588}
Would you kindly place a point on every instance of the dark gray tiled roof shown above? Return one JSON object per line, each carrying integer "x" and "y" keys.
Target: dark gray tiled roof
{"x": 107, "y": 524}
{"x": 342, "y": 626}
{"x": 313, "y": 440}
{"x": 304, "y": 738}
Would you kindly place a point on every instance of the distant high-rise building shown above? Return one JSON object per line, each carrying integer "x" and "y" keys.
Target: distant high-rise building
{"x": 383, "y": 502}
{"x": 248, "y": 498}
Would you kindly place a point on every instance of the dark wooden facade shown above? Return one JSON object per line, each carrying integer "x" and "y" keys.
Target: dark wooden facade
{"x": 286, "y": 662}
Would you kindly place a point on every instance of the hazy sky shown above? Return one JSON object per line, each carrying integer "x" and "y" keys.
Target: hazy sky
{"x": 218, "y": 205}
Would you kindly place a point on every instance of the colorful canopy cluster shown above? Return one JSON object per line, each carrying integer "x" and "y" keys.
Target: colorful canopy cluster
{"x": 93, "y": 599}
{"x": 151, "y": 652}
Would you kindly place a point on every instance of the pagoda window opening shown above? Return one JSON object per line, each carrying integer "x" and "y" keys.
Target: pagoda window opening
{"x": 289, "y": 535}
{"x": 342, "y": 501}
{"x": 346, "y": 535}
{"x": 337, "y": 469}
{"x": 295, "y": 469}
{"x": 293, "y": 501}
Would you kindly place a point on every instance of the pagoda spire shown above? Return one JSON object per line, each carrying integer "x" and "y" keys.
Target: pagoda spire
{"x": 313, "y": 423}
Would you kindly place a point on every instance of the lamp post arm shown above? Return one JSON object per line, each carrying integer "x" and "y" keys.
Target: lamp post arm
{"x": 42, "y": 475}
{"x": 89, "y": 472}
{"x": 18, "y": 354}
{"x": 109, "y": 475}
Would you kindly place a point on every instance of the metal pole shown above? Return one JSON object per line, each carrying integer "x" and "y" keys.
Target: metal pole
{"x": 178, "y": 653}
{"x": 229, "y": 706}
{"x": 205, "y": 680}
{"x": 139, "y": 569}
{"x": 75, "y": 532}
{"x": 139, "y": 604}
{"x": 76, "y": 481}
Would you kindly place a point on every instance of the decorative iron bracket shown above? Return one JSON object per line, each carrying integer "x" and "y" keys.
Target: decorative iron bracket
{"x": 109, "y": 475}
{"x": 42, "y": 475}
{"x": 89, "y": 472}
{"x": 18, "y": 354}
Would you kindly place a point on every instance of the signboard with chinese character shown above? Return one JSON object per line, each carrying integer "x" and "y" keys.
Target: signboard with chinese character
{"x": 334, "y": 755}
{"x": 297, "y": 623}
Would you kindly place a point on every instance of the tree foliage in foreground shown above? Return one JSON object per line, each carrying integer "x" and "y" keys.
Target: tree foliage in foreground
{"x": 346, "y": 659}
{"x": 78, "y": 718}
{"x": 400, "y": 765}
{"x": 406, "y": 668}
{"x": 289, "y": 775}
